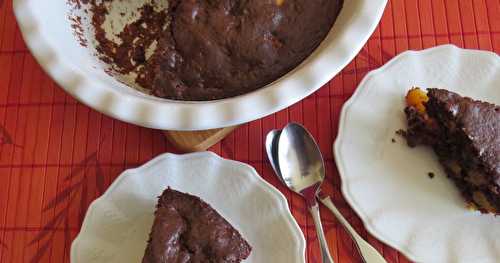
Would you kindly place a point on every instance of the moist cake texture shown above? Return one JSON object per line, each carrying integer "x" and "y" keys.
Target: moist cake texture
{"x": 208, "y": 50}
{"x": 186, "y": 229}
{"x": 465, "y": 135}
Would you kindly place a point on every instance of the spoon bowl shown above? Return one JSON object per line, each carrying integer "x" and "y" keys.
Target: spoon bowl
{"x": 272, "y": 139}
{"x": 300, "y": 161}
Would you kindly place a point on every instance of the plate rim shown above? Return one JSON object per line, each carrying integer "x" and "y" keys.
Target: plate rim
{"x": 340, "y": 161}
{"x": 250, "y": 172}
{"x": 163, "y": 114}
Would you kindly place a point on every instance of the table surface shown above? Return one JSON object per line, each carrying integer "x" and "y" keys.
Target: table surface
{"x": 46, "y": 136}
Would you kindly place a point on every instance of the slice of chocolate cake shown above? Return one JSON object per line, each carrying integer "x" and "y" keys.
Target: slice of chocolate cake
{"x": 465, "y": 135}
{"x": 186, "y": 229}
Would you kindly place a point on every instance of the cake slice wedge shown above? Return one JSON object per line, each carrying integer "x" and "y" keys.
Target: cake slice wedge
{"x": 465, "y": 135}
{"x": 186, "y": 229}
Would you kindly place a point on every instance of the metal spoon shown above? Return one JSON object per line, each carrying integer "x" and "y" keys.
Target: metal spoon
{"x": 303, "y": 172}
{"x": 367, "y": 252}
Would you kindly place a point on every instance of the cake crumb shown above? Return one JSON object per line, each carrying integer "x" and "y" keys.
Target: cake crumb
{"x": 401, "y": 132}
{"x": 431, "y": 175}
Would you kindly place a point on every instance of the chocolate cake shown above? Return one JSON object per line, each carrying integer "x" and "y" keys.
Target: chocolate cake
{"x": 186, "y": 229}
{"x": 465, "y": 135}
{"x": 208, "y": 50}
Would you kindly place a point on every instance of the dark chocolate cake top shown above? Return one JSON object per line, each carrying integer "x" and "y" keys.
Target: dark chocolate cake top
{"x": 186, "y": 229}
{"x": 479, "y": 120}
{"x": 216, "y": 49}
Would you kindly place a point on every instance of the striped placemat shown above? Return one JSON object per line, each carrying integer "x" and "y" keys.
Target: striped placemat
{"x": 57, "y": 155}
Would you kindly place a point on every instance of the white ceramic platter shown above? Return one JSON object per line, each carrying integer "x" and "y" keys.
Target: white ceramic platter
{"x": 48, "y": 33}
{"x": 387, "y": 183}
{"x": 117, "y": 225}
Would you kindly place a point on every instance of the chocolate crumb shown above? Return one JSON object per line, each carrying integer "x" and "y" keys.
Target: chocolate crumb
{"x": 76, "y": 22}
{"x": 78, "y": 31}
{"x": 401, "y": 132}
{"x": 431, "y": 175}
{"x": 393, "y": 140}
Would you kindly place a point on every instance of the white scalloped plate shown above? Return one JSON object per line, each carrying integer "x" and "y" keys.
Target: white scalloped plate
{"x": 48, "y": 33}
{"x": 387, "y": 183}
{"x": 117, "y": 224}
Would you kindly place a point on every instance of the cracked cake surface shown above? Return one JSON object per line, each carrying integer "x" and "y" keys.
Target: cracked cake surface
{"x": 465, "y": 135}
{"x": 187, "y": 229}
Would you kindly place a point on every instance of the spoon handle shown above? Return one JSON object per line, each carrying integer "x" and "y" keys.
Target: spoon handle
{"x": 367, "y": 252}
{"x": 325, "y": 253}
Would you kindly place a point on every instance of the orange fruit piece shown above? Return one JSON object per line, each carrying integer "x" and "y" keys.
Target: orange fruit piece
{"x": 417, "y": 98}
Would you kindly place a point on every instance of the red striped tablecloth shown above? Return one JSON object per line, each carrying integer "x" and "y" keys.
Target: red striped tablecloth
{"x": 46, "y": 136}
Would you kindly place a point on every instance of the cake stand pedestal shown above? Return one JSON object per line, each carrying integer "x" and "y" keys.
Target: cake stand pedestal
{"x": 196, "y": 141}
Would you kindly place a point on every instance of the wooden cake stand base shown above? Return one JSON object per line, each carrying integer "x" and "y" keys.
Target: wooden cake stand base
{"x": 196, "y": 141}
